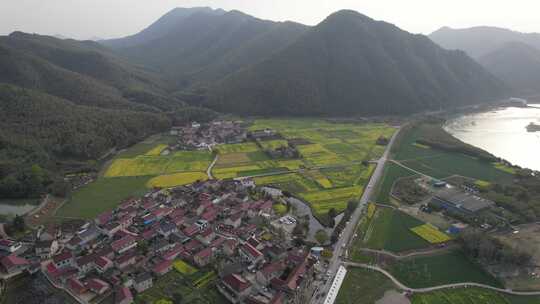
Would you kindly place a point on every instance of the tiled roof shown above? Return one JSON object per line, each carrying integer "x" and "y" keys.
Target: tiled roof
{"x": 236, "y": 282}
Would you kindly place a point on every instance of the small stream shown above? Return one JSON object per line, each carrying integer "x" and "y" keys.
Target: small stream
{"x": 12, "y": 210}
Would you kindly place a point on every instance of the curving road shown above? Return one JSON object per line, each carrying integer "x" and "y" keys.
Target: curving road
{"x": 411, "y": 254}
{"x": 439, "y": 287}
{"x": 341, "y": 245}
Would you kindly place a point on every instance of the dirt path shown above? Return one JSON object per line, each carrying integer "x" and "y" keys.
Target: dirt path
{"x": 427, "y": 252}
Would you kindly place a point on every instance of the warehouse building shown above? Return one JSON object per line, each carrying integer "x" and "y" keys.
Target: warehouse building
{"x": 453, "y": 199}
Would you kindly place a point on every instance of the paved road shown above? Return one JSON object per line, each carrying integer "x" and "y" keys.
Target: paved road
{"x": 446, "y": 286}
{"x": 342, "y": 244}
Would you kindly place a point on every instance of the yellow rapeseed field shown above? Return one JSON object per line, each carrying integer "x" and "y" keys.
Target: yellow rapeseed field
{"x": 156, "y": 151}
{"x": 431, "y": 234}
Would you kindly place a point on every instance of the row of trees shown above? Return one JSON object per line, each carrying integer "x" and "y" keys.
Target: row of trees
{"x": 491, "y": 251}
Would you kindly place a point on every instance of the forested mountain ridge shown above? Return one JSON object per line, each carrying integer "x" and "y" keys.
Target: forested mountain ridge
{"x": 516, "y": 63}
{"x": 163, "y": 26}
{"x": 65, "y": 103}
{"x": 351, "y": 64}
{"x": 481, "y": 40}
{"x": 81, "y": 71}
{"x": 205, "y": 46}
{"x": 42, "y": 131}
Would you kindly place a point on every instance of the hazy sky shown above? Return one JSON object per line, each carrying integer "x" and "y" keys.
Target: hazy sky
{"x": 84, "y": 19}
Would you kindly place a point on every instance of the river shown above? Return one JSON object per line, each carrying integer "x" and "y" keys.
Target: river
{"x": 503, "y": 133}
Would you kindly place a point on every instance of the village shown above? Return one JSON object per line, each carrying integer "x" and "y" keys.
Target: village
{"x": 218, "y": 225}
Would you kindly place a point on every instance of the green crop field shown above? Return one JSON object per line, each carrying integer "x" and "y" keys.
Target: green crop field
{"x": 389, "y": 229}
{"x": 392, "y": 172}
{"x": 322, "y": 201}
{"x": 363, "y": 286}
{"x": 292, "y": 182}
{"x": 349, "y": 175}
{"x": 102, "y": 195}
{"x": 274, "y": 144}
{"x": 442, "y": 164}
{"x": 470, "y": 295}
{"x": 237, "y": 148}
{"x": 448, "y": 268}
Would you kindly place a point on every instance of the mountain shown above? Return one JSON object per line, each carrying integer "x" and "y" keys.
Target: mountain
{"x": 517, "y": 64}
{"x": 80, "y": 71}
{"x": 479, "y": 41}
{"x": 163, "y": 26}
{"x": 41, "y": 134}
{"x": 66, "y": 103}
{"x": 201, "y": 45}
{"x": 350, "y": 64}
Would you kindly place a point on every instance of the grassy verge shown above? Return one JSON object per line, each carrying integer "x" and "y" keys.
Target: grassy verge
{"x": 363, "y": 286}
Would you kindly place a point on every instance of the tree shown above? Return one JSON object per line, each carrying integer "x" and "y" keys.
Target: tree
{"x": 327, "y": 254}
{"x": 18, "y": 223}
{"x": 321, "y": 236}
{"x": 351, "y": 205}
{"x": 143, "y": 246}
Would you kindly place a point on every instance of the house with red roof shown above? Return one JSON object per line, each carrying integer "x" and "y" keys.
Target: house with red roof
{"x": 234, "y": 220}
{"x": 123, "y": 296}
{"x": 269, "y": 272}
{"x": 103, "y": 264}
{"x": 125, "y": 260}
{"x": 14, "y": 264}
{"x": 203, "y": 257}
{"x": 210, "y": 214}
{"x": 124, "y": 244}
{"x": 234, "y": 287}
{"x": 192, "y": 230}
{"x": 104, "y": 218}
{"x": 85, "y": 263}
{"x": 250, "y": 254}
{"x": 162, "y": 267}
{"x": 98, "y": 286}
{"x": 126, "y": 221}
{"x": 173, "y": 253}
{"x": 9, "y": 245}
{"x": 64, "y": 259}
{"x": 76, "y": 286}
{"x": 229, "y": 247}
{"x": 111, "y": 228}
{"x": 206, "y": 236}
{"x": 149, "y": 233}
{"x": 203, "y": 206}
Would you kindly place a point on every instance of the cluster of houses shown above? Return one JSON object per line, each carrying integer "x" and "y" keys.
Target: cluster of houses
{"x": 212, "y": 224}
{"x": 198, "y": 136}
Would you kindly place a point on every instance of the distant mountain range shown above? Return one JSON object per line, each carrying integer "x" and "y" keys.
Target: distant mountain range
{"x": 349, "y": 64}
{"x": 509, "y": 55}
